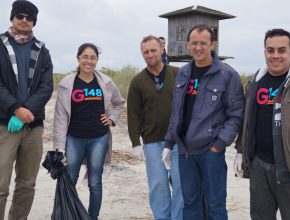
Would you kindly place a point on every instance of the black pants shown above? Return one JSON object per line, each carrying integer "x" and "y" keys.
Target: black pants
{"x": 266, "y": 195}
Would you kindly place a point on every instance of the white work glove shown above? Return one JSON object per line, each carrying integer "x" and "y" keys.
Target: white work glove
{"x": 238, "y": 165}
{"x": 138, "y": 153}
{"x": 166, "y": 157}
{"x": 64, "y": 162}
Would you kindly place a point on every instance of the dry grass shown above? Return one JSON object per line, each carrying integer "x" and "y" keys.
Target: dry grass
{"x": 123, "y": 157}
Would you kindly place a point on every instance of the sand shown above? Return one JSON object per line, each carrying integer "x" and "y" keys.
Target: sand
{"x": 125, "y": 194}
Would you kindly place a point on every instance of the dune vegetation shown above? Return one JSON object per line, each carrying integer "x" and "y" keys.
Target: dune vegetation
{"x": 123, "y": 76}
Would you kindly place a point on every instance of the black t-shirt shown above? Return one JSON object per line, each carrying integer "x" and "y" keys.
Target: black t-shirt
{"x": 196, "y": 75}
{"x": 22, "y": 53}
{"x": 87, "y": 105}
{"x": 265, "y": 100}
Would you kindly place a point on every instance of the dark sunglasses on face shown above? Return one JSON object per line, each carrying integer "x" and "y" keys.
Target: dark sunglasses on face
{"x": 28, "y": 18}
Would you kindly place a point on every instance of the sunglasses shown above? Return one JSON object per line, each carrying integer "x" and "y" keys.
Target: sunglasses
{"x": 28, "y": 18}
{"x": 158, "y": 86}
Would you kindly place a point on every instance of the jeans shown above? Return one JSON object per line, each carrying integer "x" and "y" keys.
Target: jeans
{"x": 205, "y": 173}
{"x": 266, "y": 195}
{"x": 94, "y": 150}
{"x": 24, "y": 148}
{"x": 162, "y": 203}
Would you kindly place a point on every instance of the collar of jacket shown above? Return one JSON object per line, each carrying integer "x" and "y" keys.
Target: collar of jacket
{"x": 34, "y": 39}
{"x": 214, "y": 68}
{"x": 67, "y": 84}
{"x": 101, "y": 77}
{"x": 35, "y": 50}
{"x": 262, "y": 72}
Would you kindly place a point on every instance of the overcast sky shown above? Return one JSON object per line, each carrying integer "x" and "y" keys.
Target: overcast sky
{"x": 118, "y": 26}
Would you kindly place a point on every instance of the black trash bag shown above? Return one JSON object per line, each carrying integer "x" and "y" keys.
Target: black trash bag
{"x": 53, "y": 163}
{"x": 67, "y": 205}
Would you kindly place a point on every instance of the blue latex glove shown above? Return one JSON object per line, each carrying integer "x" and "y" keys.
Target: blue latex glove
{"x": 15, "y": 124}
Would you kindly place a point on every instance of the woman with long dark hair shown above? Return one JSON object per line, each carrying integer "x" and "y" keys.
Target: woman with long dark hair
{"x": 88, "y": 103}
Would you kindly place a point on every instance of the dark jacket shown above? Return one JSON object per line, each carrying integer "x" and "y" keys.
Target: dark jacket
{"x": 40, "y": 90}
{"x": 217, "y": 113}
{"x": 164, "y": 57}
{"x": 245, "y": 143}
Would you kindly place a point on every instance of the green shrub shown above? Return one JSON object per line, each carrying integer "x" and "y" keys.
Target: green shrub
{"x": 56, "y": 78}
{"x": 121, "y": 77}
{"x": 245, "y": 78}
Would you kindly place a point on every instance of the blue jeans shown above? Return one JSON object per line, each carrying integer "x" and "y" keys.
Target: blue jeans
{"x": 94, "y": 150}
{"x": 163, "y": 205}
{"x": 206, "y": 172}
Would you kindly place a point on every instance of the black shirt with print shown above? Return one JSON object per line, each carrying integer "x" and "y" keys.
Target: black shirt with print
{"x": 265, "y": 100}
{"x": 87, "y": 105}
{"x": 192, "y": 89}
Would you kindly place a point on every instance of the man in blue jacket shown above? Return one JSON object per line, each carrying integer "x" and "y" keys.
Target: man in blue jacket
{"x": 207, "y": 114}
{"x": 25, "y": 87}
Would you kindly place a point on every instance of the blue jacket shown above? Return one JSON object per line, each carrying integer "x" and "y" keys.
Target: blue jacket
{"x": 217, "y": 114}
{"x": 164, "y": 57}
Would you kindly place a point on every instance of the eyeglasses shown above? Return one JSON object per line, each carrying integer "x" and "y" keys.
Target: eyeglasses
{"x": 28, "y": 18}
{"x": 200, "y": 43}
{"x": 88, "y": 59}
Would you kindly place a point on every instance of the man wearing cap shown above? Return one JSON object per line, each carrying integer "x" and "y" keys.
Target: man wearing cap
{"x": 25, "y": 87}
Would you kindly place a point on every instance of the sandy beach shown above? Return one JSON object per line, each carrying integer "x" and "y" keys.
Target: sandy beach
{"x": 125, "y": 194}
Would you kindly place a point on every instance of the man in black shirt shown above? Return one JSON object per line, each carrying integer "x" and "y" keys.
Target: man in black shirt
{"x": 265, "y": 140}
{"x": 207, "y": 114}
